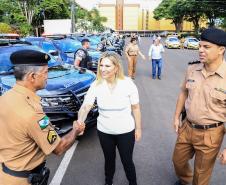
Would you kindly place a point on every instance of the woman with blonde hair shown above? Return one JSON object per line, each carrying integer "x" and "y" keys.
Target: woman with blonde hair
{"x": 116, "y": 96}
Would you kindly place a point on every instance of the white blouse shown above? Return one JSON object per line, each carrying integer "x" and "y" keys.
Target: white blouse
{"x": 114, "y": 106}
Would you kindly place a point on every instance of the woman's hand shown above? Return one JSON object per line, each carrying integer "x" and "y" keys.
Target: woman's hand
{"x": 138, "y": 134}
{"x": 79, "y": 127}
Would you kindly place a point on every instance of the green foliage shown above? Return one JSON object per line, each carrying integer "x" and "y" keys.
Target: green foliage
{"x": 171, "y": 9}
{"x": 191, "y": 10}
{"x": 5, "y": 28}
{"x": 25, "y": 14}
{"x": 25, "y": 29}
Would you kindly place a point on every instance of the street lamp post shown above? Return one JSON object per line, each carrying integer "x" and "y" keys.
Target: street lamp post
{"x": 73, "y": 16}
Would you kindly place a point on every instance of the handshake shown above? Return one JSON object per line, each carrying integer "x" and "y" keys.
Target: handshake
{"x": 79, "y": 127}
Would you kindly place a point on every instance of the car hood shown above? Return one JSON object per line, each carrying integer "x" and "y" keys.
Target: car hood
{"x": 174, "y": 42}
{"x": 59, "y": 81}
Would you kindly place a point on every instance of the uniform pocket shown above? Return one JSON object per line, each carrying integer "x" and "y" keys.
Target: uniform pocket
{"x": 216, "y": 135}
{"x": 182, "y": 127}
{"x": 218, "y": 97}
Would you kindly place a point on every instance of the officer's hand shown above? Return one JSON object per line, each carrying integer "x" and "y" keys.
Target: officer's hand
{"x": 222, "y": 157}
{"x": 79, "y": 127}
{"x": 176, "y": 124}
{"x": 138, "y": 134}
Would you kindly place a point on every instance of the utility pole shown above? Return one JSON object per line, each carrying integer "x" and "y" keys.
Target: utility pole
{"x": 73, "y": 16}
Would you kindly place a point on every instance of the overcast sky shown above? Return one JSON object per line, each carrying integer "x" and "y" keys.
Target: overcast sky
{"x": 150, "y": 4}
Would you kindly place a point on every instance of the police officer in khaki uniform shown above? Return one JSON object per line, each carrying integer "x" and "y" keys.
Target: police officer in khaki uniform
{"x": 203, "y": 95}
{"x": 131, "y": 51}
{"x": 27, "y": 135}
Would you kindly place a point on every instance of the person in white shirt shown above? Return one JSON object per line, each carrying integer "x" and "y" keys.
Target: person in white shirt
{"x": 117, "y": 98}
{"x": 155, "y": 54}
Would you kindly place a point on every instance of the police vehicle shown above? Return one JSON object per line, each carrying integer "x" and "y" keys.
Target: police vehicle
{"x": 65, "y": 90}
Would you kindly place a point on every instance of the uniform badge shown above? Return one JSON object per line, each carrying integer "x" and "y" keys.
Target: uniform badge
{"x": 52, "y": 136}
{"x": 44, "y": 122}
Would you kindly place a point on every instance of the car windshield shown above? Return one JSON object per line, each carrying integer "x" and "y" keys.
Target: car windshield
{"x": 173, "y": 39}
{"x": 193, "y": 40}
{"x": 5, "y": 52}
{"x": 47, "y": 46}
{"x": 67, "y": 45}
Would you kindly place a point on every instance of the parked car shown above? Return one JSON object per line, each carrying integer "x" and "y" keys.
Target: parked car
{"x": 191, "y": 43}
{"x": 70, "y": 46}
{"x": 65, "y": 90}
{"x": 172, "y": 42}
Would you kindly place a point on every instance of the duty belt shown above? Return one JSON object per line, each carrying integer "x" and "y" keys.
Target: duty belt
{"x": 25, "y": 173}
{"x": 205, "y": 127}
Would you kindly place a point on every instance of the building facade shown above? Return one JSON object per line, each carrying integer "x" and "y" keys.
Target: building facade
{"x": 136, "y": 15}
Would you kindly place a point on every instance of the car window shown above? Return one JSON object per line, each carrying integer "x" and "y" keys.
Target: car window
{"x": 193, "y": 40}
{"x": 47, "y": 46}
{"x": 173, "y": 39}
{"x": 67, "y": 45}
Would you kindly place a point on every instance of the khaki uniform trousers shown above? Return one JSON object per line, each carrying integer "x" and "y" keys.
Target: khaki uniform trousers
{"x": 205, "y": 145}
{"x": 6, "y": 179}
{"x": 132, "y": 66}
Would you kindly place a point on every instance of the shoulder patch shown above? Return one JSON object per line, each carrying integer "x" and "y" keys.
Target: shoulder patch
{"x": 44, "y": 122}
{"x": 194, "y": 62}
{"x": 52, "y": 136}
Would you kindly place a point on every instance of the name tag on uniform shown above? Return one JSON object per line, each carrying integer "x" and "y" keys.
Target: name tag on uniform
{"x": 44, "y": 122}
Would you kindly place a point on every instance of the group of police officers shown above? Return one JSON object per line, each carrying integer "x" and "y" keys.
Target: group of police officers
{"x": 27, "y": 135}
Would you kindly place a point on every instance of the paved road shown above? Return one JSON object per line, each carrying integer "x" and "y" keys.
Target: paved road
{"x": 153, "y": 153}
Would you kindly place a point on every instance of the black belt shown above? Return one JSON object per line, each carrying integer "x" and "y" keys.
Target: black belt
{"x": 205, "y": 127}
{"x": 24, "y": 173}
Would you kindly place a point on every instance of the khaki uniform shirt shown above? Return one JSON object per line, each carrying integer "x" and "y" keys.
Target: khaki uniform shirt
{"x": 206, "y": 101}
{"x": 26, "y": 134}
{"x": 132, "y": 50}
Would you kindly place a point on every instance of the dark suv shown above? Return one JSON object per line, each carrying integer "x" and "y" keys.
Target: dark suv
{"x": 65, "y": 90}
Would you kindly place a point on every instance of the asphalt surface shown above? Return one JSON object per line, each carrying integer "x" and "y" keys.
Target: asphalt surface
{"x": 152, "y": 155}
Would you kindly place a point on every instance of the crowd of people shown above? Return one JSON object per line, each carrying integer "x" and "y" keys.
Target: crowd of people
{"x": 119, "y": 126}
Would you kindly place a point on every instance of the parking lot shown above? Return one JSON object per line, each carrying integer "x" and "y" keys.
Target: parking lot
{"x": 84, "y": 164}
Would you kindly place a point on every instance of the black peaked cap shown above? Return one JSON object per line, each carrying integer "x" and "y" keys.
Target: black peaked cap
{"x": 215, "y": 36}
{"x": 29, "y": 57}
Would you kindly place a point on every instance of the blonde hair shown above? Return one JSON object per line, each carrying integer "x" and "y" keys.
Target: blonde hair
{"x": 115, "y": 59}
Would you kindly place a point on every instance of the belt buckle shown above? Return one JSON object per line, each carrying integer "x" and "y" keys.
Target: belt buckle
{"x": 217, "y": 124}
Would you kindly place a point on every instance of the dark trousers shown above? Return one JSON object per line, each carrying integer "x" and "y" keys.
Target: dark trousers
{"x": 125, "y": 144}
{"x": 156, "y": 63}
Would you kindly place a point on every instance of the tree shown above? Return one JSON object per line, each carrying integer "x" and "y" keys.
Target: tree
{"x": 193, "y": 12}
{"x": 171, "y": 9}
{"x": 27, "y": 9}
{"x": 213, "y": 10}
{"x": 96, "y": 20}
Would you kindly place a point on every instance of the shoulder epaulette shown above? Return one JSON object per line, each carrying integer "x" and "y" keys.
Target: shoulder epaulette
{"x": 194, "y": 62}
